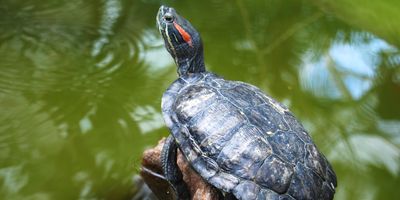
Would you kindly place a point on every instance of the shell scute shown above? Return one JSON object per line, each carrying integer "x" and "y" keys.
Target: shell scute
{"x": 224, "y": 181}
{"x": 239, "y": 96}
{"x": 192, "y": 101}
{"x": 295, "y": 125}
{"x": 267, "y": 194}
{"x": 214, "y": 143}
{"x": 248, "y": 189}
{"x": 206, "y": 170}
{"x": 268, "y": 123}
{"x": 218, "y": 120}
{"x": 314, "y": 160}
{"x": 244, "y": 153}
{"x": 305, "y": 184}
{"x": 275, "y": 174}
{"x": 288, "y": 146}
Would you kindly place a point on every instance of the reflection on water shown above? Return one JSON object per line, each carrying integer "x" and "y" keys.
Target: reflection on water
{"x": 81, "y": 83}
{"x": 147, "y": 118}
{"x": 362, "y": 150}
{"x": 346, "y": 69}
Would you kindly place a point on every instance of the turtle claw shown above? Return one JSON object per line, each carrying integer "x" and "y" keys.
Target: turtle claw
{"x": 171, "y": 170}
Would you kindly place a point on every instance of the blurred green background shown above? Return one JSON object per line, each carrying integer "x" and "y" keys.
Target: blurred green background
{"x": 81, "y": 84}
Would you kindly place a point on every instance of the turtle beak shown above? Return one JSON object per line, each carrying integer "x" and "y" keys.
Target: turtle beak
{"x": 158, "y": 17}
{"x": 161, "y": 12}
{"x": 163, "y": 9}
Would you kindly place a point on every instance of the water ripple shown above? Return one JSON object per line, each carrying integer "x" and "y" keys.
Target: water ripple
{"x": 58, "y": 47}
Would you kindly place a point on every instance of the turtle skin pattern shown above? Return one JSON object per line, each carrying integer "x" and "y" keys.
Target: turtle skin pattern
{"x": 243, "y": 141}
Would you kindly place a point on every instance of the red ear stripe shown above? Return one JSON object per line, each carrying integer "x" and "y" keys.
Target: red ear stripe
{"x": 185, "y": 35}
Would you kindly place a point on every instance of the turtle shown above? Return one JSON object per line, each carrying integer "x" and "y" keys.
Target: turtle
{"x": 236, "y": 137}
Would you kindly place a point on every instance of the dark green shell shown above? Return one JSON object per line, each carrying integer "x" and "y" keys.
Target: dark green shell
{"x": 243, "y": 141}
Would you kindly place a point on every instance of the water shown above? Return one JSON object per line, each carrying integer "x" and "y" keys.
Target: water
{"x": 81, "y": 83}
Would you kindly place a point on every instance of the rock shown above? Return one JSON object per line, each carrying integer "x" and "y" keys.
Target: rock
{"x": 142, "y": 190}
{"x": 152, "y": 174}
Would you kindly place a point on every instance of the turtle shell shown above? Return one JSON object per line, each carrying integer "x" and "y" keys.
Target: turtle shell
{"x": 243, "y": 141}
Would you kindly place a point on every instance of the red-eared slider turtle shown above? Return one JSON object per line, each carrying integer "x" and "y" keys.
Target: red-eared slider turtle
{"x": 237, "y": 138}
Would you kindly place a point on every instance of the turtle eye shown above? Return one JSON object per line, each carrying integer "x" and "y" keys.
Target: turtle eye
{"x": 168, "y": 17}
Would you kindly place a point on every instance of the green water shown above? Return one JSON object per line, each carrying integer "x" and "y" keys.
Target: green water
{"x": 81, "y": 83}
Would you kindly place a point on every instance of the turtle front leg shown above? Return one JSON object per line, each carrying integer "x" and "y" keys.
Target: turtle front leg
{"x": 171, "y": 170}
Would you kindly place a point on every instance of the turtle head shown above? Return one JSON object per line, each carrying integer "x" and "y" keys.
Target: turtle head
{"x": 182, "y": 41}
